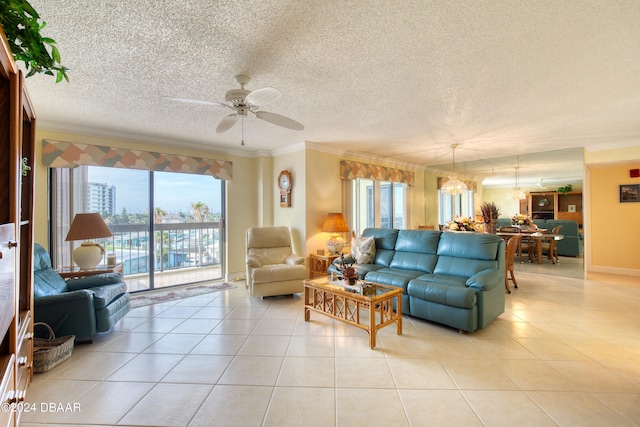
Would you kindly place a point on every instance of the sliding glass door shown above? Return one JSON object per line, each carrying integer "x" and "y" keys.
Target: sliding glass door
{"x": 168, "y": 228}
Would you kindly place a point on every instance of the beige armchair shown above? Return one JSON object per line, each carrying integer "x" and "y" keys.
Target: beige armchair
{"x": 272, "y": 267}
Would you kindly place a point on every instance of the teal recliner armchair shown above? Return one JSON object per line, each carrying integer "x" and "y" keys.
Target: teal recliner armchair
{"x": 80, "y": 307}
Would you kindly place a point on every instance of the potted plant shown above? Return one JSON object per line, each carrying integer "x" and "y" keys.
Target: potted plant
{"x": 564, "y": 190}
{"x": 22, "y": 27}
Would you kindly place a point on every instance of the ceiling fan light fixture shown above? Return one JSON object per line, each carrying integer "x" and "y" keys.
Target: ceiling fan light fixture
{"x": 517, "y": 193}
{"x": 454, "y": 185}
{"x": 541, "y": 184}
{"x": 243, "y": 101}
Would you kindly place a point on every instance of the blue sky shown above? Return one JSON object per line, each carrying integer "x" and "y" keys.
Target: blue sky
{"x": 173, "y": 191}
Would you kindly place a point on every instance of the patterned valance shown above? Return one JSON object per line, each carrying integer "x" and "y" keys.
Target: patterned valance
{"x": 471, "y": 185}
{"x": 353, "y": 170}
{"x": 58, "y": 154}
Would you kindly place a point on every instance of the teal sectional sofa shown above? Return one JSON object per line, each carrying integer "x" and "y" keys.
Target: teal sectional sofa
{"x": 453, "y": 278}
{"x": 570, "y": 245}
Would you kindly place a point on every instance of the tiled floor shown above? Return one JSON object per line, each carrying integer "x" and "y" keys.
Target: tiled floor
{"x": 566, "y": 352}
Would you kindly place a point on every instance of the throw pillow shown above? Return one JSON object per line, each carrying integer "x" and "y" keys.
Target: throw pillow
{"x": 363, "y": 249}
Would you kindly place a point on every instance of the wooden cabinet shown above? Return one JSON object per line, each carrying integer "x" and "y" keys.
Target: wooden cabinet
{"x": 17, "y": 144}
{"x": 553, "y": 205}
{"x": 543, "y": 205}
{"x": 570, "y": 207}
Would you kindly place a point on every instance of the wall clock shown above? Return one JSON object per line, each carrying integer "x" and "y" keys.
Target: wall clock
{"x": 285, "y": 183}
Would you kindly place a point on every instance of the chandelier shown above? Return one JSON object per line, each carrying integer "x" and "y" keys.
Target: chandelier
{"x": 454, "y": 185}
{"x": 517, "y": 193}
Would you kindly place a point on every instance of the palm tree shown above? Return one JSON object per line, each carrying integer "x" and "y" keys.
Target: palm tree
{"x": 200, "y": 211}
{"x": 158, "y": 215}
{"x": 162, "y": 241}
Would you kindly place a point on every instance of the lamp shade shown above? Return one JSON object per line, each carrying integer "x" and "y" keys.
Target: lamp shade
{"x": 88, "y": 226}
{"x": 83, "y": 227}
{"x": 334, "y": 224}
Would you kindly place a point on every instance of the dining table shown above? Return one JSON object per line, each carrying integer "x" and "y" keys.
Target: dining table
{"x": 539, "y": 235}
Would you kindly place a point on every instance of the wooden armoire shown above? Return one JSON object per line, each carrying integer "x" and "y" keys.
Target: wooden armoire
{"x": 17, "y": 155}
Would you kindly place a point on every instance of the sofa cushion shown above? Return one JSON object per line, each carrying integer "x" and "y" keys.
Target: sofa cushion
{"x": 385, "y": 237}
{"x": 385, "y": 243}
{"x": 441, "y": 293}
{"x": 393, "y": 277}
{"x": 418, "y": 241}
{"x": 363, "y": 249}
{"x": 416, "y": 250}
{"x": 414, "y": 261}
{"x": 478, "y": 246}
{"x": 466, "y": 268}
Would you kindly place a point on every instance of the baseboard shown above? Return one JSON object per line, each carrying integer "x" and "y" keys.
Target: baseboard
{"x": 613, "y": 270}
{"x": 235, "y": 277}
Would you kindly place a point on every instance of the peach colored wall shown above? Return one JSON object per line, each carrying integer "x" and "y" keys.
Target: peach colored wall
{"x": 293, "y": 217}
{"x": 614, "y": 234}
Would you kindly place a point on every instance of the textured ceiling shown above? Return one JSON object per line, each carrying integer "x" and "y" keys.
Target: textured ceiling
{"x": 399, "y": 80}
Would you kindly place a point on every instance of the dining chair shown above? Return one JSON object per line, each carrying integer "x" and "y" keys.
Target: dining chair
{"x": 514, "y": 229}
{"x": 550, "y": 247}
{"x": 512, "y": 244}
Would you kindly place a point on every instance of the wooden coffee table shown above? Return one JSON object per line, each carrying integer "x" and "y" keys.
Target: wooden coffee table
{"x": 381, "y": 305}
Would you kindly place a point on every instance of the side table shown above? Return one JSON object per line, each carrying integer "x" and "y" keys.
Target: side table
{"x": 318, "y": 264}
{"x": 75, "y": 272}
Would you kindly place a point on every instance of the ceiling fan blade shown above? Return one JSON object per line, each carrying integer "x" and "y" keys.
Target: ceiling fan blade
{"x": 227, "y": 123}
{"x": 263, "y": 96}
{"x": 278, "y": 120}
{"x": 196, "y": 101}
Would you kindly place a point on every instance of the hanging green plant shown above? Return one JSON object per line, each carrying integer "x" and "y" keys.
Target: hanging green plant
{"x": 21, "y": 25}
{"x": 564, "y": 190}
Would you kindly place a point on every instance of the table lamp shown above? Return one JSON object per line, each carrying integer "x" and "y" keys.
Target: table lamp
{"x": 334, "y": 224}
{"x": 87, "y": 226}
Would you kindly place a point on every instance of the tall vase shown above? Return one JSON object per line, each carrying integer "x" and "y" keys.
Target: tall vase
{"x": 490, "y": 227}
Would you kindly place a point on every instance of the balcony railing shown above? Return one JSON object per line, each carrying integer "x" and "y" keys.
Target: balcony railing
{"x": 173, "y": 247}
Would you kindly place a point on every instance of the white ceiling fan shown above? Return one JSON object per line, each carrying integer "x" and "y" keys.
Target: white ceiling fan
{"x": 243, "y": 101}
{"x": 541, "y": 185}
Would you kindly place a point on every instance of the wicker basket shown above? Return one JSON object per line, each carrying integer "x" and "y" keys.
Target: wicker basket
{"x": 50, "y": 352}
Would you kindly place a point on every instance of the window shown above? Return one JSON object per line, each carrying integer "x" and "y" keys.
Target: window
{"x": 451, "y": 206}
{"x": 377, "y": 204}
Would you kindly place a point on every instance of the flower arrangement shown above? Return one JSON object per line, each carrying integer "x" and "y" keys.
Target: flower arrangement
{"x": 346, "y": 270}
{"x": 461, "y": 223}
{"x": 520, "y": 219}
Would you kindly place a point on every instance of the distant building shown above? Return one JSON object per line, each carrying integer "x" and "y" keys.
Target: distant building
{"x": 101, "y": 198}
{"x": 172, "y": 218}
